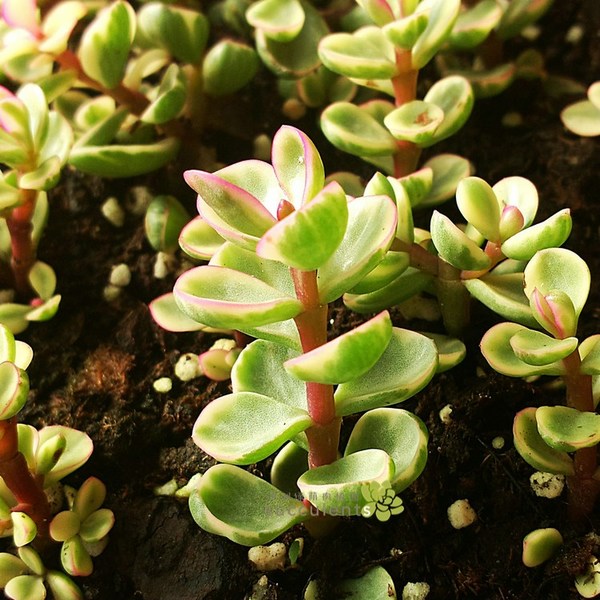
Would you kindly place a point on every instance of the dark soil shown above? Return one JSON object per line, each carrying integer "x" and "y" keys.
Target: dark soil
{"x": 95, "y": 363}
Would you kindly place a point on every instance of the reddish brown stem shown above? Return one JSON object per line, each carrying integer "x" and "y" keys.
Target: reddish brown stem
{"x": 29, "y": 494}
{"x": 323, "y": 436}
{"x": 23, "y": 252}
{"x": 583, "y": 488}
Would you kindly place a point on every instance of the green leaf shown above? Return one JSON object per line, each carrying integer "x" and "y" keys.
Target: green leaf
{"x": 62, "y": 586}
{"x": 245, "y": 427}
{"x": 589, "y": 351}
{"x": 26, "y": 587}
{"x": 249, "y": 511}
{"x": 441, "y": 20}
{"x": 519, "y": 14}
{"x": 375, "y": 584}
{"x": 228, "y": 66}
{"x": 568, "y": 429}
{"x": 400, "y": 434}
{"x": 280, "y": 20}
{"x": 13, "y": 390}
{"x": 24, "y": 528}
{"x": 538, "y": 349}
{"x": 227, "y": 299}
{"x": 169, "y": 316}
{"x": 519, "y": 192}
{"x": 559, "y": 269}
{"x": 455, "y": 247}
{"x": 451, "y": 351}
{"x": 415, "y": 122}
{"x": 170, "y": 97}
{"x": 582, "y": 118}
{"x": 335, "y": 489}
{"x": 48, "y": 453}
{"x": 369, "y": 234}
{"x": 14, "y": 316}
{"x": 103, "y": 131}
{"x": 183, "y": 32}
{"x": 346, "y": 357}
{"x": 64, "y": 525}
{"x": 365, "y": 54}
{"x": 479, "y": 206}
{"x": 97, "y": 526}
{"x": 534, "y": 450}
{"x": 497, "y": 349}
{"x": 42, "y": 279}
{"x": 75, "y": 559}
{"x": 389, "y": 269}
{"x": 475, "y": 24}
{"x": 124, "y": 160}
{"x": 307, "y": 238}
{"x": 109, "y": 34}
{"x": 407, "y": 365}
{"x": 89, "y": 498}
{"x": 44, "y": 177}
{"x": 291, "y": 462}
{"x": 10, "y": 567}
{"x": 260, "y": 357}
{"x": 297, "y": 165}
{"x": 165, "y": 218}
{"x": 405, "y": 32}
{"x": 352, "y": 129}
{"x": 551, "y": 233}
{"x": 199, "y": 240}
{"x": 540, "y": 545}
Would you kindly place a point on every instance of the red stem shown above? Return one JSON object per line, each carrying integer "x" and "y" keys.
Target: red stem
{"x": 28, "y": 492}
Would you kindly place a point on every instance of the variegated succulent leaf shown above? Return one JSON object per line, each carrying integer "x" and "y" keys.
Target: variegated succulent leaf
{"x": 567, "y": 429}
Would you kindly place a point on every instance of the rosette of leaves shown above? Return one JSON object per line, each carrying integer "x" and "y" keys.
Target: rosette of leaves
{"x": 583, "y": 117}
{"x": 292, "y": 245}
{"x": 387, "y": 56}
{"x": 555, "y": 439}
{"x": 159, "y": 73}
{"x": 35, "y": 146}
{"x": 484, "y": 258}
{"x": 476, "y": 45}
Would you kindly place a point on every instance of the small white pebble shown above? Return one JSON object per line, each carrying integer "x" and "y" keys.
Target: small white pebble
{"x": 56, "y": 496}
{"x": 461, "y": 514}
{"x": 547, "y": 485}
{"x": 480, "y": 372}
{"x": 139, "y": 199}
{"x": 498, "y": 443}
{"x": 192, "y": 485}
{"x": 113, "y": 212}
{"x": 111, "y": 292}
{"x": 188, "y": 367}
{"x": 293, "y": 109}
{"x": 446, "y": 414}
{"x": 574, "y": 34}
{"x": 166, "y": 489}
{"x": 512, "y": 119}
{"x": 268, "y": 558}
{"x": 531, "y": 32}
{"x": 163, "y": 385}
{"x": 261, "y": 147}
{"x": 120, "y": 275}
{"x": 164, "y": 264}
{"x": 416, "y": 591}
{"x": 223, "y": 344}
{"x": 396, "y": 553}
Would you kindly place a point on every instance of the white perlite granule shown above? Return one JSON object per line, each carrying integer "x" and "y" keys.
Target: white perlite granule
{"x": 547, "y": 485}
{"x": 461, "y": 514}
{"x": 416, "y": 591}
{"x": 188, "y": 367}
{"x": 268, "y": 558}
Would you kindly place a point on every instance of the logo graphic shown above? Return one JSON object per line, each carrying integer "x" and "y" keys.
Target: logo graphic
{"x": 381, "y": 501}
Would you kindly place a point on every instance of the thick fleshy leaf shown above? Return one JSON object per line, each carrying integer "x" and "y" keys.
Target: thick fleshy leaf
{"x": 233, "y": 503}
{"x": 14, "y": 386}
{"x": 170, "y": 97}
{"x": 49, "y": 452}
{"x": 75, "y": 559}
{"x": 45, "y": 311}
{"x": 384, "y": 273}
{"x": 555, "y": 312}
{"x": 228, "y": 66}
{"x": 519, "y": 192}
{"x": 404, "y": 33}
{"x": 126, "y": 160}
{"x": 497, "y": 349}
{"x": 64, "y": 525}
{"x": 534, "y": 450}
{"x": 410, "y": 282}
{"x": 110, "y": 34}
{"x": 415, "y": 122}
{"x": 451, "y": 351}
{"x": 97, "y": 526}
{"x": 519, "y": 14}
{"x": 352, "y": 129}
{"x": 589, "y": 351}
{"x": 478, "y": 205}
{"x": 441, "y": 20}
{"x": 90, "y": 497}
{"x": 308, "y": 237}
{"x": 245, "y": 427}
{"x": 365, "y": 54}
{"x": 454, "y": 96}
{"x": 169, "y": 316}
{"x": 280, "y": 20}
{"x": 455, "y": 247}
{"x": 62, "y": 586}
{"x": 181, "y": 31}
{"x": 43, "y": 280}
{"x": 24, "y": 528}
{"x": 14, "y": 316}
{"x": 260, "y": 357}
{"x": 379, "y": 11}
{"x": 551, "y": 233}
{"x": 567, "y": 429}
{"x": 346, "y": 357}
{"x": 10, "y": 567}
{"x": 407, "y": 365}
{"x": 291, "y": 462}
{"x": 103, "y": 131}
{"x": 44, "y": 177}
{"x": 448, "y": 170}
{"x": 475, "y": 24}
{"x": 375, "y": 584}
{"x": 369, "y": 234}
{"x": 199, "y": 240}
{"x": 503, "y": 293}
{"x": 541, "y": 545}
{"x": 228, "y": 299}
{"x": 163, "y": 222}
{"x": 400, "y": 434}
{"x": 582, "y": 118}
{"x": 26, "y": 587}
{"x": 335, "y": 489}
{"x": 559, "y": 269}
{"x": 297, "y": 165}
{"x": 538, "y": 349}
